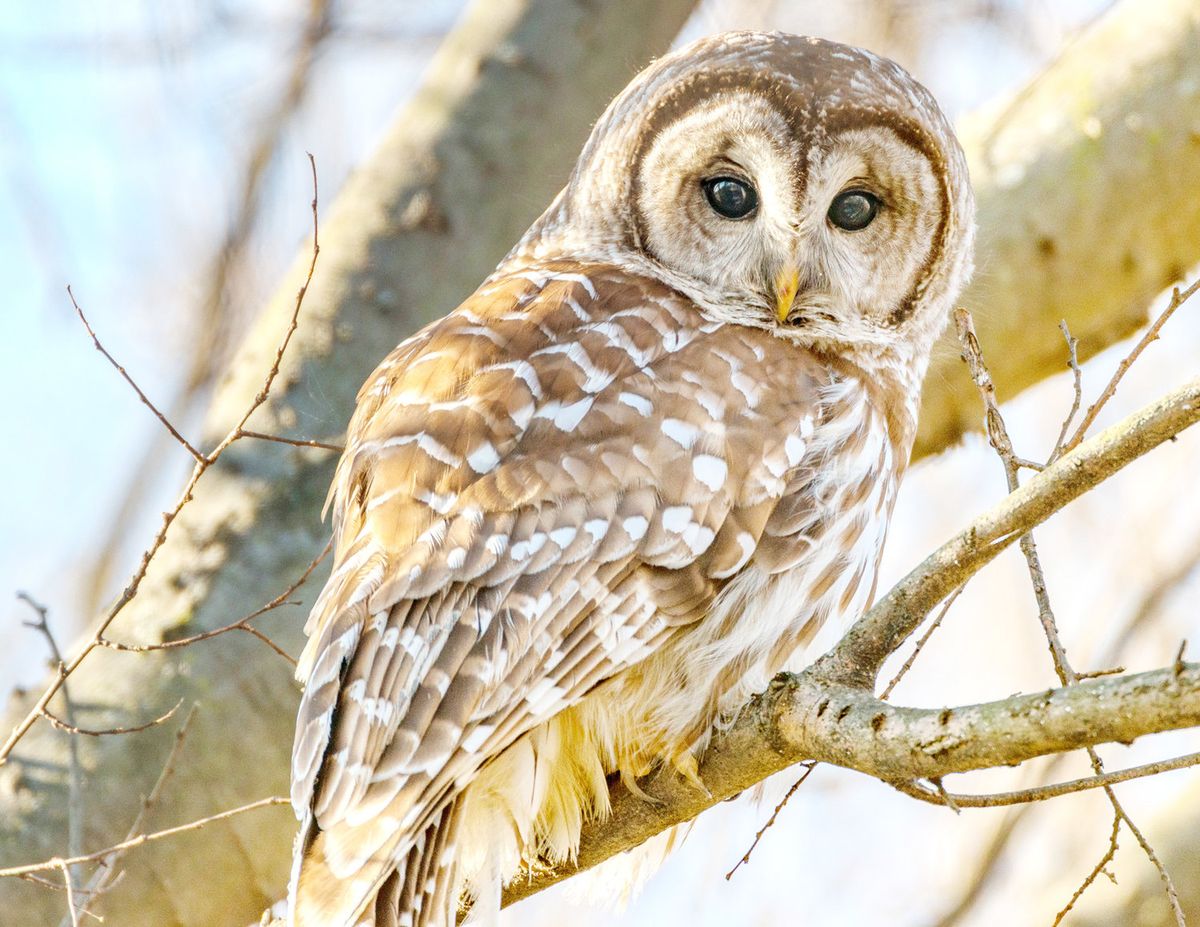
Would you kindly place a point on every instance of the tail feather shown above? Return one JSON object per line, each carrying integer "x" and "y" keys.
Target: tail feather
{"x": 417, "y": 891}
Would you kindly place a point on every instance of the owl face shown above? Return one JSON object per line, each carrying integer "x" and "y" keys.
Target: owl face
{"x": 820, "y": 236}
{"x": 780, "y": 182}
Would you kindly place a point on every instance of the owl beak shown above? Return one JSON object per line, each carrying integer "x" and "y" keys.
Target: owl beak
{"x": 787, "y": 283}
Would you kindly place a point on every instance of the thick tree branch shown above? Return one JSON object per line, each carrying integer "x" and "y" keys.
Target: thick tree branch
{"x": 801, "y": 717}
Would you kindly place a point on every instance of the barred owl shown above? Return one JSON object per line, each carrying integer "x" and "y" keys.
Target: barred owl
{"x": 586, "y": 514}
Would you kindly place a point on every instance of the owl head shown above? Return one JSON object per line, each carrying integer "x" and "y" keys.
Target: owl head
{"x": 779, "y": 181}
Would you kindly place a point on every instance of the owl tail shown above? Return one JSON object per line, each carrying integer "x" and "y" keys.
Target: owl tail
{"x": 419, "y": 892}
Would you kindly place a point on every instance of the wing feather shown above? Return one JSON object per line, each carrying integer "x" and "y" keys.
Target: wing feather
{"x": 528, "y": 504}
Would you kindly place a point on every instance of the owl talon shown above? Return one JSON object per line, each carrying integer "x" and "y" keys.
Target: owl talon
{"x": 689, "y": 767}
{"x": 632, "y": 786}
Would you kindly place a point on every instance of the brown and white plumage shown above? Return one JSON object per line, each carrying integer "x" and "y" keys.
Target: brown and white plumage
{"x": 581, "y": 517}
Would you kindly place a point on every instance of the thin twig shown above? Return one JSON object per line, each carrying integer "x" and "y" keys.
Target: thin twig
{"x": 62, "y": 725}
{"x": 1046, "y": 792}
{"x": 999, "y": 439}
{"x": 141, "y": 839}
{"x": 1178, "y": 298}
{"x": 68, "y": 881}
{"x": 808, "y": 768}
{"x": 196, "y": 455}
{"x": 1149, "y": 605}
{"x": 203, "y": 464}
{"x": 1077, "y": 398}
{"x": 997, "y": 434}
{"x": 242, "y": 624}
{"x": 294, "y": 442}
{"x": 920, "y": 645}
{"x": 1091, "y": 876}
{"x": 1168, "y": 885}
{"x": 107, "y": 874}
{"x": 75, "y": 810}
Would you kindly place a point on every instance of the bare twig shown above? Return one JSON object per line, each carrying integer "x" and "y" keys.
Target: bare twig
{"x": 75, "y": 782}
{"x": 808, "y": 768}
{"x": 997, "y": 434}
{"x": 294, "y": 442}
{"x": 242, "y": 624}
{"x": 998, "y": 437}
{"x": 68, "y": 881}
{"x": 920, "y": 645}
{"x": 107, "y": 874}
{"x": 140, "y": 839}
{"x": 203, "y": 464}
{"x": 1107, "y": 858}
{"x": 214, "y": 327}
{"x": 196, "y": 455}
{"x": 1149, "y": 605}
{"x": 1046, "y": 792}
{"x": 1077, "y": 392}
{"x": 1163, "y": 874}
{"x": 1178, "y": 298}
{"x": 62, "y": 725}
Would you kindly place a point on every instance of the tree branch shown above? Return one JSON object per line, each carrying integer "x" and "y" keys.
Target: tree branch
{"x": 879, "y": 633}
{"x": 802, "y": 717}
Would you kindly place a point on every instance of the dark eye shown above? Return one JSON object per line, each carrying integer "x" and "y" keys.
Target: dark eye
{"x": 854, "y": 210}
{"x": 730, "y": 197}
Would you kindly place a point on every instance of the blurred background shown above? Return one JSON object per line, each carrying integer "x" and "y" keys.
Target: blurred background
{"x": 152, "y": 155}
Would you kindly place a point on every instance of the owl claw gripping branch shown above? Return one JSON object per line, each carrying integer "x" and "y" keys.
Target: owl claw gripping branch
{"x": 584, "y": 516}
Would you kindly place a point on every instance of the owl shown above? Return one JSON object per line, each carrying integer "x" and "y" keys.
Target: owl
{"x": 584, "y": 516}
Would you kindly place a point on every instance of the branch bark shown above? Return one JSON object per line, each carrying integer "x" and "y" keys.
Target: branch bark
{"x": 803, "y": 717}
{"x": 467, "y": 165}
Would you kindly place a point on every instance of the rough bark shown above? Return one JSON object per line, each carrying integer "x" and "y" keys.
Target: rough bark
{"x": 1075, "y": 224}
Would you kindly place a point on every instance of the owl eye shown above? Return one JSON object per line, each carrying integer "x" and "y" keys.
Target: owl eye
{"x": 854, "y": 210}
{"x": 730, "y": 197}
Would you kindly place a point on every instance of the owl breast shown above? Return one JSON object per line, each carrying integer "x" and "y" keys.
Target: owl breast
{"x": 815, "y": 563}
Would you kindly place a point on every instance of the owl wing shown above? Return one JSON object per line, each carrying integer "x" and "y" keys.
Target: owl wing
{"x": 537, "y": 490}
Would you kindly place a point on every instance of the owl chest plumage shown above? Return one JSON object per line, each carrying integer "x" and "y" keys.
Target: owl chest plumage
{"x": 811, "y": 560}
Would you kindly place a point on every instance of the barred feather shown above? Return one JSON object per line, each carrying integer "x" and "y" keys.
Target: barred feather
{"x": 582, "y": 517}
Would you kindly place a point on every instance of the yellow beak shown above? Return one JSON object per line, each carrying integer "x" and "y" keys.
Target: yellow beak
{"x": 787, "y": 282}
